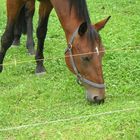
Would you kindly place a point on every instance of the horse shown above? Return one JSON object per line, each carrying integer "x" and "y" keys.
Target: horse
{"x": 24, "y": 25}
{"x": 84, "y": 51}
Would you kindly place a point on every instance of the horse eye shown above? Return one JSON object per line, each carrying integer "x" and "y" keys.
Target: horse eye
{"x": 87, "y": 59}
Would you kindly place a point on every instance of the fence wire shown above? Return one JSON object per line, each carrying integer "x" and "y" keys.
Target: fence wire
{"x": 15, "y": 62}
{"x": 26, "y": 126}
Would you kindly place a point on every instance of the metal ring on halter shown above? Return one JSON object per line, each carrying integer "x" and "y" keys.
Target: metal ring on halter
{"x": 79, "y": 82}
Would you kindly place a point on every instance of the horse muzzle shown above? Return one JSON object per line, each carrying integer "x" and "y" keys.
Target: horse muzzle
{"x": 94, "y": 95}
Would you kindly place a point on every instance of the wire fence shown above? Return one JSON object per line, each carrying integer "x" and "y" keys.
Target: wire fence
{"x": 26, "y": 126}
{"x": 15, "y": 62}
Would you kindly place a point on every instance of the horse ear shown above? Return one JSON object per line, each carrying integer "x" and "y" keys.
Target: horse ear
{"x": 98, "y": 26}
{"x": 82, "y": 28}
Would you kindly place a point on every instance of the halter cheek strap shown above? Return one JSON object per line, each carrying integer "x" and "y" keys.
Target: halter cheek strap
{"x": 81, "y": 80}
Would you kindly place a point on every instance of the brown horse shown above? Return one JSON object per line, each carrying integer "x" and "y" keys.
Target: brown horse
{"x": 82, "y": 38}
{"x": 24, "y": 24}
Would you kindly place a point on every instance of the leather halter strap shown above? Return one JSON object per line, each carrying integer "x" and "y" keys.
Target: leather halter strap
{"x": 81, "y": 80}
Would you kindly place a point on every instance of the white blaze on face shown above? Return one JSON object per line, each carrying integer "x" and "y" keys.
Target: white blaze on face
{"x": 97, "y": 50}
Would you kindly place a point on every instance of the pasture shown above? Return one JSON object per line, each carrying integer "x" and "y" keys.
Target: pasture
{"x": 53, "y": 106}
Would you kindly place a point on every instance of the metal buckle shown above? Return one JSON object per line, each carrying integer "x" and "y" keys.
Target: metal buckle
{"x": 79, "y": 82}
{"x": 70, "y": 46}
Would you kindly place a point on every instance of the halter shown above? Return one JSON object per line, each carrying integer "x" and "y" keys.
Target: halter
{"x": 80, "y": 79}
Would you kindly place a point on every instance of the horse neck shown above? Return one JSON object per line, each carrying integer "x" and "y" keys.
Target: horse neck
{"x": 69, "y": 21}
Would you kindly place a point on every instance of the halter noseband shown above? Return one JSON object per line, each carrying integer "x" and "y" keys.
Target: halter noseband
{"x": 80, "y": 79}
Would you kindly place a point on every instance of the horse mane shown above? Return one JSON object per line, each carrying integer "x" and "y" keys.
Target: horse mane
{"x": 83, "y": 14}
{"x": 81, "y": 9}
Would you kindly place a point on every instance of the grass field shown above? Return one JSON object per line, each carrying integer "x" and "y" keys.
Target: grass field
{"x": 30, "y": 101}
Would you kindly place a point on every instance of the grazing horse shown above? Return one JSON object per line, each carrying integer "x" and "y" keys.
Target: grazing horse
{"x": 24, "y": 24}
{"x": 84, "y": 51}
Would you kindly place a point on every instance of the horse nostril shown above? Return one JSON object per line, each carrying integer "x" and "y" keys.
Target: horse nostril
{"x": 95, "y": 98}
{"x": 98, "y": 101}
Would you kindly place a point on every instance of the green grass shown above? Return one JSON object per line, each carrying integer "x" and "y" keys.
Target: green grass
{"x": 28, "y": 99}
